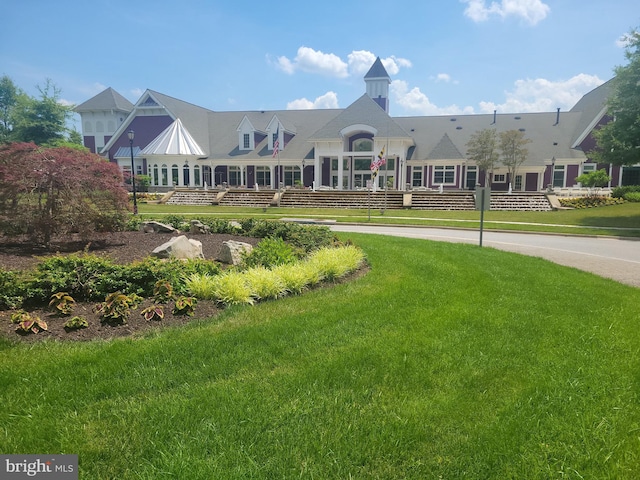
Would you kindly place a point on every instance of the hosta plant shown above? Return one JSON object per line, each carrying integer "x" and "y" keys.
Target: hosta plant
{"x": 185, "y": 306}
{"x": 76, "y": 323}
{"x": 116, "y": 307}
{"x": 27, "y": 323}
{"x": 162, "y": 291}
{"x": 153, "y": 312}
{"x": 62, "y": 302}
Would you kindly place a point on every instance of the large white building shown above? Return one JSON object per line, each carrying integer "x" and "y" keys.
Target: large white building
{"x": 179, "y": 144}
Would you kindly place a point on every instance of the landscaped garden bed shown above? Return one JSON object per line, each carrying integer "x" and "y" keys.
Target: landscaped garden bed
{"x": 87, "y": 272}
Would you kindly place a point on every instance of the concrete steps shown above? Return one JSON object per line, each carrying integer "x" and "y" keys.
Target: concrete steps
{"x": 360, "y": 200}
{"x": 341, "y": 199}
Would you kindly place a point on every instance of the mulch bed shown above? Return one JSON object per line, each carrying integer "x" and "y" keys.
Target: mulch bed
{"x": 121, "y": 247}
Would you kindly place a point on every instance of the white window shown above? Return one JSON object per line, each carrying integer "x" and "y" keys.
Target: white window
{"x": 589, "y": 167}
{"x": 416, "y": 177}
{"x": 444, "y": 174}
{"x": 246, "y": 141}
{"x": 499, "y": 178}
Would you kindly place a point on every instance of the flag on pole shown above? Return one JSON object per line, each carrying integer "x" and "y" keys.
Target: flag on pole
{"x": 276, "y": 142}
{"x": 377, "y": 163}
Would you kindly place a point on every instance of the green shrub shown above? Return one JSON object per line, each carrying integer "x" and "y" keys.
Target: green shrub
{"x": 632, "y": 197}
{"x": 219, "y": 225}
{"x": 306, "y": 237}
{"x": 178, "y": 222}
{"x": 11, "y": 289}
{"x": 269, "y": 252}
{"x": 589, "y": 202}
{"x": 620, "y": 192}
{"x": 81, "y": 275}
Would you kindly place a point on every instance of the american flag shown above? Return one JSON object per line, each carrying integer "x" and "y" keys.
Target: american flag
{"x": 276, "y": 143}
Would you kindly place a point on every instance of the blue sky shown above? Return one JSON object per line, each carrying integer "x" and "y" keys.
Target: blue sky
{"x": 444, "y": 56}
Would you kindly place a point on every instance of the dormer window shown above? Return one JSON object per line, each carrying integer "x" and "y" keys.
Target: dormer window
{"x": 246, "y": 141}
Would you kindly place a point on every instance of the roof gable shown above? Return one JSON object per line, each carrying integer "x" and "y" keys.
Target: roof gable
{"x": 445, "y": 149}
{"x": 363, "y": 111}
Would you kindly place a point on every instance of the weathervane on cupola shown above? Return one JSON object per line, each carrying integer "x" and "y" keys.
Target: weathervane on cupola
{"x": 378, "y": 81}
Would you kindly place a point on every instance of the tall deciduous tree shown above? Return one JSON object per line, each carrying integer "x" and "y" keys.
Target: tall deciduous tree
{"x": 41, "y": 121}
{"x": 513, "y": 151}
{"x": 9, "y": 94}
{"x": 618, "y": 142}
{"x": 482, "y": 149}
{"x": 47, "y": 191}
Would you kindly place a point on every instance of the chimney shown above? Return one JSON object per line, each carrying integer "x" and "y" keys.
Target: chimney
{"x": 557, "y": 117}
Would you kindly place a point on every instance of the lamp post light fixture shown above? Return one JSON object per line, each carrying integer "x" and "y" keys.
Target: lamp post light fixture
{"x": 131, "y": 134}
{"x": 302, "y": 174}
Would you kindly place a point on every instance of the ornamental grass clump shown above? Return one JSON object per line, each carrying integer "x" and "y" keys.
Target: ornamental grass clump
{"x": 297, "y": 277}
{"x": 201, "y": 285}
{"x": 264, "y": 283}
{"x": 231, "y": 288}
{"x": 335, "y": 263}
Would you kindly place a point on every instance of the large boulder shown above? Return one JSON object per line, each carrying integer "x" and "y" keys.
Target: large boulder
{"x": 231, "y": 252}
{"x": 156, "y": 227}
{"x": 179, "y": 247}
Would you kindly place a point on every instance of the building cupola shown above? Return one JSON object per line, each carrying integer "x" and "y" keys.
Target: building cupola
{"x": 377, "y": 80}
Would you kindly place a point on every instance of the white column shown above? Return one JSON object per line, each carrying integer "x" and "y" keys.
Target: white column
{"x": 340, "y": 171}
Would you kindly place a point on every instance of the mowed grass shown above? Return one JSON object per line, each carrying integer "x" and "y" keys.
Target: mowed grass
{"x": 619, "y": 220}
{"x": 444, "y": 361}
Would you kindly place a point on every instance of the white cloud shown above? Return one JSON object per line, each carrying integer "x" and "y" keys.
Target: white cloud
{"x": 530, "y": 11}
{"x": 541, "y": 95}
{"x": 314, "y": 61}
{"x": 328, "y": 100}
{"x": 414, "y": 102}
{"x": 444, "y": 78}
{"x": 357, "y": 64}
{"x": 360, "y": 62}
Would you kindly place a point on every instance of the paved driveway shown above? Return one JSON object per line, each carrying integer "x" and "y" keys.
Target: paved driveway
{"x": 618, "y": 259}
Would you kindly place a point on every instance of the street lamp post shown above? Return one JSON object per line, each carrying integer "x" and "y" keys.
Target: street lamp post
{"x": 131, "y": 134}
{"x": 302, "y": 174}
{"x": 553, "y": 168}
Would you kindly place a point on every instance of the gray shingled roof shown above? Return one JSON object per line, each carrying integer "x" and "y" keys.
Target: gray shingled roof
{"x": 108, "y": 99}
{"x": 592, "y": 106}
{"x": 541, "y": 128}
{"x": 362, "y": 111}
{"x": 223, "y": 138}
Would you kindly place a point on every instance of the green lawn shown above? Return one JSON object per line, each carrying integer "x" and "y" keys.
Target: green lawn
{"x": 444, "y": 361}
{"x": 621, "y": 220}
